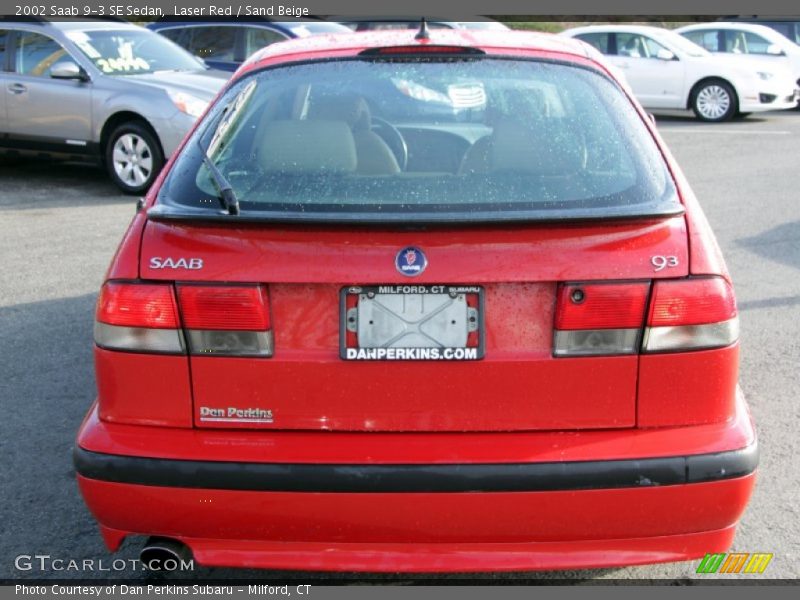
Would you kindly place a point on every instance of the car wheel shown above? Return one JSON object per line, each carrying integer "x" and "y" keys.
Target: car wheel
{"x": 133, "y": 157}
{"x": 714, "y": 101}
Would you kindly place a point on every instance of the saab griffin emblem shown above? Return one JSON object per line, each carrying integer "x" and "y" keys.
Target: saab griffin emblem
{"x": 411, "y": 261}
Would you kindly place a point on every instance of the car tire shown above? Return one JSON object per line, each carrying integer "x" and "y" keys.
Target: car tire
{"x": 133, "y": 157}
{"x": 714, "y": 101}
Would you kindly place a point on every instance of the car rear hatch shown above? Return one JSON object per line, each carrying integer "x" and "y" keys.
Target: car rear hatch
{"x": 508, "y": 328}
{"x": 463, "y": 243}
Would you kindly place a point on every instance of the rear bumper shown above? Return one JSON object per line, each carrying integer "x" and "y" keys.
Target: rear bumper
{"x": 637, "y": 501}
{"x": 403, "y": 478}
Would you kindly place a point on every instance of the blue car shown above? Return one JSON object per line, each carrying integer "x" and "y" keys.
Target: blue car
{"x": 226, "y": 44}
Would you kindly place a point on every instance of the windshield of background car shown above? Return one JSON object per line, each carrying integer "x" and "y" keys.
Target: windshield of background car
{"x": 465, "y": 139}
{"x": 132, "y": 52}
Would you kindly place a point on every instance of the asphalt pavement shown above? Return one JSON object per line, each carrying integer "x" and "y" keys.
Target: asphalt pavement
{"x": 59, "y": 227}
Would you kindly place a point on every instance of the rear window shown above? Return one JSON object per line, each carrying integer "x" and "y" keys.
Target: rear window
{"x": 710, "y": 40}
{"x": 459, "y": 140}
{"x": 789, "y": 29}
{"x": 599, "y": 40}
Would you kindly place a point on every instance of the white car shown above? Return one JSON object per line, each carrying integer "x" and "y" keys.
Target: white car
{"x": 745, "y": 38}
{"x": 667, "y": 71}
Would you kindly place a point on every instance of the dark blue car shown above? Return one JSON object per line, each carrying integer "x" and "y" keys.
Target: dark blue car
{"x": 226, "y": 44}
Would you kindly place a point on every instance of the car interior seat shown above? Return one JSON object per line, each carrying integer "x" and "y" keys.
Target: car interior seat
{"x": 301, "y": 147}
{"x": 527, "y": 112}
{"x": 542, "y": 147}
{"x": 374, "y": 156}
{"x": 632, "y": 48}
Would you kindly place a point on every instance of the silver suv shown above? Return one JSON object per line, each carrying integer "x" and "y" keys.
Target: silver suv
{"x": 106, "y": 90}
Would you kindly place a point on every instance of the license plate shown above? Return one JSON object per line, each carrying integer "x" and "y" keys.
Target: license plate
{"x": 412, "y": 322}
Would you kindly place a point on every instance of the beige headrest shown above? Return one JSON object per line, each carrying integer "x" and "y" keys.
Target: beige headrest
{"x": 349, "y": 108}
{"x": 536, "y": 148}
{"x": 309, "y": 147}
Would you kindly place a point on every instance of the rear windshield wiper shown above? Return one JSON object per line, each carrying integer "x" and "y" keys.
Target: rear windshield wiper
{"x": 226, "y": 194}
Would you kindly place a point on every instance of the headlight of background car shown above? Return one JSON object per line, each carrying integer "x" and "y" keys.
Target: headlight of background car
{"x": 764, "y": 75}
{"x": 186, "y": 103}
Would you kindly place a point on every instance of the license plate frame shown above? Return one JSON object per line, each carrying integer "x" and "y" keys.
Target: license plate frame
{"x": 468, "y": 352}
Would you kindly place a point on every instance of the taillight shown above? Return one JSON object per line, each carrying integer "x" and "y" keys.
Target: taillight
{"x": 613, "y": 318}
{"x": 138, "y": 318}
{"x": 599, "y": 318}
{"x": 691, "y": 314}
{"x": 217, "y": 320}
{"x": 226, "y": 320}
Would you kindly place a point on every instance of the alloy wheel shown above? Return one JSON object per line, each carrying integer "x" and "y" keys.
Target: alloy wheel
{"x": 133, "y": 159}
{"x": 713, "y": 102}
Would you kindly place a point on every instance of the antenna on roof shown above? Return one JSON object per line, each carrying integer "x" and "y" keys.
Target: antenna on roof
{"x": 423, "y": 34}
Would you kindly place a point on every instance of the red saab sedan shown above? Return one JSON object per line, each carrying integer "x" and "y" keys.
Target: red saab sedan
{"x": 441, "y": 302}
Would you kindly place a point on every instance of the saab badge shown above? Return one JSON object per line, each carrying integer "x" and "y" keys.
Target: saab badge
{"x": 411, "y": 261}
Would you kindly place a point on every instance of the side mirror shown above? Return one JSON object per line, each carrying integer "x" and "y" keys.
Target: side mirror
{"x": 68, "y": 70}
{"x": 775, "y": 50}
{"x": 664, "y": 54}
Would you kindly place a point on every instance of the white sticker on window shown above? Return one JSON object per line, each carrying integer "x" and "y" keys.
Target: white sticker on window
{"x": 81, "y": 40}
{"x": 125, "y": 62}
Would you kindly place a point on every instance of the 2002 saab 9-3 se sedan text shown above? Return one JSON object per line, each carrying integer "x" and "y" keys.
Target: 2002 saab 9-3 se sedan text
{"x": 441, "y": 302}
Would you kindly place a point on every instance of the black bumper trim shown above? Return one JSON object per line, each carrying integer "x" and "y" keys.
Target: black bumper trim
{"x": 496, "y": 477}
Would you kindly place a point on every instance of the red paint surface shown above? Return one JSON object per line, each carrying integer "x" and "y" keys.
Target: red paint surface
{"x": 349, "y": 256}
{"x": 518, "y": 386}
{"x": 393, "y": 558}
{"x": 415, "y": 448}
{"x": 687, "y": 388}
{"x": 125, "y": 264}
{"x": 331, "y": 530}
{"x": 145, "y": 389}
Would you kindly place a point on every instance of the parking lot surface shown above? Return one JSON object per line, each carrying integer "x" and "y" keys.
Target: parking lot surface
{"x": 60, "y": 224}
